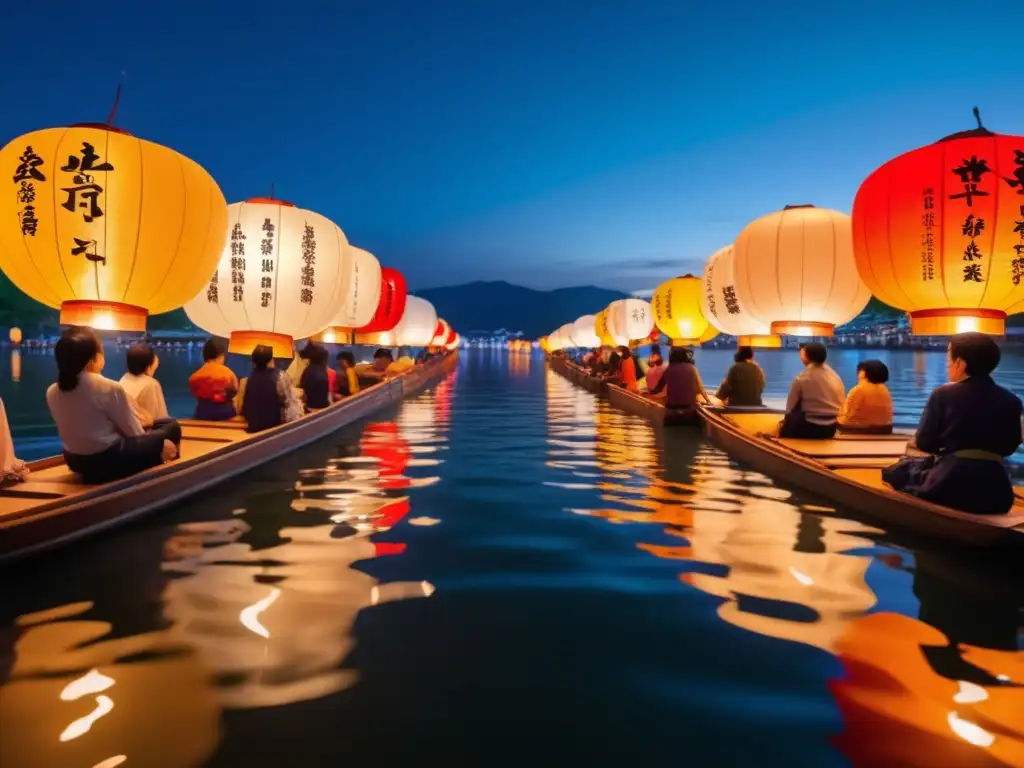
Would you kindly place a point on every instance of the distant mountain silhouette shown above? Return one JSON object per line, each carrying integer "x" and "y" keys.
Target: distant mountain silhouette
{"x": 489, "y": 306}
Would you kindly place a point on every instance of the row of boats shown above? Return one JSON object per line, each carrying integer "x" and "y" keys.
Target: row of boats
{"x": 846, "y": 469}
{"x": 54, "y": 507}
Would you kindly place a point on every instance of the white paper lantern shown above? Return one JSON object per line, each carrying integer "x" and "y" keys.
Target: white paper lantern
{"x": 417, "y": 326}
{"x": 583, "y": 334}
{"x": 454, "y": 344}
{"x": 361, "y": 292}
{"x": 284, "y": 273}
{"x": 722, "y": 305}
{"x": 796, "y": 273}
{"x": 629, "y": 320}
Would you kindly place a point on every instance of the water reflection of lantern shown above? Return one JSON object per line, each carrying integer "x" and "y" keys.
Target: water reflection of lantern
{"x": 361, "y": 299}
{"x": 677, "y": 311}
{"x": 383, "y": 442}
{"x": 630, "y": 319}
{"x": 282, "y": 275}
{"x": 939, "y": 232}
{"x": 723, "y": 308}
{"x": 15, "y": 365}
{"x": 795, "y": 271}
{"x": 14, "y": 335}
{"x": 391, "y": 307}
{"x": 583, "y": 334}
{"x": 107, "y": 227}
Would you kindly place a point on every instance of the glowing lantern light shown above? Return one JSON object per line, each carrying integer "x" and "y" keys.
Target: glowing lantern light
{"x": 282, "y": 275}
{"x": 795, "y": 271}
{"x": 565, "y": 333}
{"x": 939, "y": 232}
{"x": 602, "y": 327}
{"x": 677, "y": 311}
{"x": 583, "y": 334}
{"x": 542, "y": 342}
{"x": 723, "y": 308}
{"x": 391, "y": 306}
{"x": 452, "y": 345}
{"x": 418, "y": 323}
{"x": 452, "y": 338}
{"x": 15, "y": 336}
{"x": 441, "y": 333}
{"x": 107, "y": 227}
{"x": 630, "y": 319}
{"x": 361, "y": 298}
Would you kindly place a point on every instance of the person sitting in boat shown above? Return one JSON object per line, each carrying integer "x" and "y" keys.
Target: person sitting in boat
{"x": 868, "y": 407}
{"x": 401, "y": 365}
{"x": 300, "y": 359}
{"x": 967, "y": 428}
{"x": 654, "y": 356}
{"x": 346, "y": 380}
{"x": 267, "y": 396}
{"x": 682, "y": 387}
{"x": 655, "y": 370}
{"x": 815, "y": 397}
{"x": 214, "y": 385}
{"x": 315, "y": 381}
{"x": 145, "y": 391}
{"x": 102, "y": 438}
{"x": 382, "y": 360}
{"x": 626, "y": 377}
{"x": 744, "y": 382}
{"x": 12, "y": 469}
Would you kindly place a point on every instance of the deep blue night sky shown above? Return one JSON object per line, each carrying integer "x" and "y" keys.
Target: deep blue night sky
{"x": 546, "y": 143}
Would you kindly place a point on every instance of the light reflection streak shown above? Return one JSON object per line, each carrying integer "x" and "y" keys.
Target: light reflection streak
{"x": 250, "y": 615}
{"x": 91, "y": 682}
{"x": 82, "y": 725}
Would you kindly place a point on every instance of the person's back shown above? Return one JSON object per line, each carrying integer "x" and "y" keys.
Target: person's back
{"x": 654, "y": 373}
{"x": 314, "y": 381}
{"x": 744, "y": 382}
{"x": 261, "y": 404}
{"x": 214, "y": 385}
{"x": 680, "y": 382}
{"x": 975, "y": 414}
{"x": 142, "y": 387}
{"x": 627, "y": 370}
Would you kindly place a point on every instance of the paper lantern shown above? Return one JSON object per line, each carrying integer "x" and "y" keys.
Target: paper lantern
{"x": 441, "y": 333}
{"x": 630, "y": 319}
{"x": 15, "y": 336}
{"x": 795, "y": 271}
{"x": 418, "y": 323}
{"x": 542, "y": 342}
{"x": 282, "y": 275}
{"x": 939, "y": 232}
{"x": 583, "y": 334}
{"x": 107, "y": 227}
{"x": 453, "y": 344}
{"x": 391, "y": 306}
{"x": 602, "y": 328}
{"x": 676, "y": 305}
{"x": 723, "y": 308}
{"x": 452, "y": 338}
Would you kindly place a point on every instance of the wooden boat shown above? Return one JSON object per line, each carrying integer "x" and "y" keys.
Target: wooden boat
{"x": 847, "y": 470}
{"x": 54, "y": 507}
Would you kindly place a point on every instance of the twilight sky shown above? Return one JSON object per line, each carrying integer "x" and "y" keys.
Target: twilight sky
{"x": 544, "y": 142}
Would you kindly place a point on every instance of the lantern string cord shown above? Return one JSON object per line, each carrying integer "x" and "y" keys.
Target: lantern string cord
{"x": 977, "y": 116}
{"x": 117, "y": 101}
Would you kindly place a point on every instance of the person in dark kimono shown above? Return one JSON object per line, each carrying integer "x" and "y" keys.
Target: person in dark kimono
{"x": 968, "y": 427}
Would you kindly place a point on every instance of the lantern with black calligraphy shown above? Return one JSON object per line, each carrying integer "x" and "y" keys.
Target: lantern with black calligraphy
{"x": 583, "y": 334}
{"x": 602, "y": 327}
{"x": 630, "y": 320}
{"x": 723, "y": 308}
{"x": 794, "y": 271}
{"x": 362, "y": 298}
{"x": 939, "y": 232}
{"x": 282, "y": 276}
{"x": 677, "y": 311}
{"x": 107, "y": 227}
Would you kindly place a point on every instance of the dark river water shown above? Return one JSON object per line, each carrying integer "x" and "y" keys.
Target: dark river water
{"x": 504, "y": 570}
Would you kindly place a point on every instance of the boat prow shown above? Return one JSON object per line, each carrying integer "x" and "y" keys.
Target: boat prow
{"x": 54, "y": 507}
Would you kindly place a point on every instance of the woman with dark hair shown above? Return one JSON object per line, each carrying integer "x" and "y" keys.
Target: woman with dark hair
{"x": 744, "y": 382}
{"x": 267, "y": 398}
{"x": 868, "y": 407}
{"x": 346, "y": 380}
{"x": 967, "y": 429}
{"x": 627, "y": 369}
{"x": 102, "y": 438}
{"x": 214, "y": 385}
{"x": 145, "y": 391}
{"x": 683, "y": 388}
{"x": 315, "y": 381}
{"x": 815, "y": 397}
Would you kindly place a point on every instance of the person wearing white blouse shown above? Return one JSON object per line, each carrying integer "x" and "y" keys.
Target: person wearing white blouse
{"x": 145, "y": 391}
{"x": 102, "y": 437}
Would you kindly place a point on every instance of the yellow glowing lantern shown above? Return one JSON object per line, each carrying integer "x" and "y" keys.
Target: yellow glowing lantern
{"x": 630, "y": 320}
{"x": 722, "y": 307}
{"x": 282, "y": 276}
{"x": 677, "y": 311}
{"x": 939, "y": 232}
{"x": 15, "y": 336}
{"x": 542, "y": 342}
{"x": 107, "y": 227}
{"x": 795, "y": 271}
{"x": 603, "y": 329}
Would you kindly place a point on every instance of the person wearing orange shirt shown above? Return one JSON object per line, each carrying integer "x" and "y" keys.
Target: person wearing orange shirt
{"x": 868, "y": 407}
{"x": 627, "y": 370}
{"x": 214, "y": 385}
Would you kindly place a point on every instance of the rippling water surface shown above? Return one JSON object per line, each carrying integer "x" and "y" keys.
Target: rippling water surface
{"x": 505, "y": 569}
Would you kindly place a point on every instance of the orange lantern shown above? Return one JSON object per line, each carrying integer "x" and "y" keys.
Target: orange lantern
{"x": 393, "y": 294}
{"x": 15, "y": 336}
{"x": 939, "y": 232}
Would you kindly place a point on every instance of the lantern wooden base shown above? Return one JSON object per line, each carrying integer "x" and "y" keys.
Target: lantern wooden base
{"x": 334, "y": 334}
{"x": 798, "y": 328}
{"x": 947, "y": 322}
{"x": 104, "y": 315}
{"x": 760, "y": 341}
{"x": 244, "y": 342}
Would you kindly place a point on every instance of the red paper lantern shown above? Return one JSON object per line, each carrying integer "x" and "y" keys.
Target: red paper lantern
{"x": 391, "y": 307}
{"x": 939, "y": 232}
